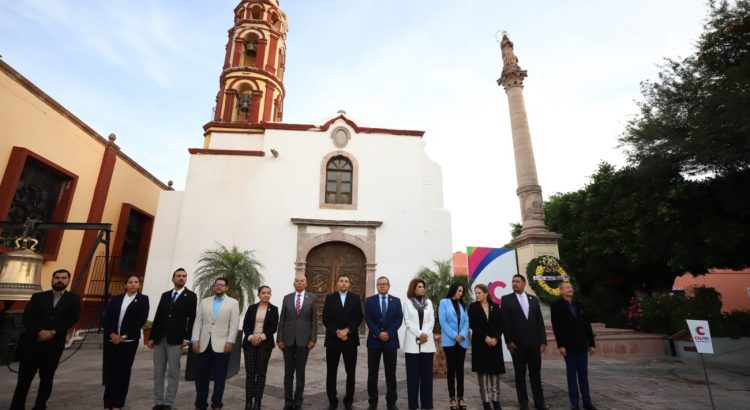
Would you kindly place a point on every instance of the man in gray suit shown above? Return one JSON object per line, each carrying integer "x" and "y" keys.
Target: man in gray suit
{"x": 298, "y": 330}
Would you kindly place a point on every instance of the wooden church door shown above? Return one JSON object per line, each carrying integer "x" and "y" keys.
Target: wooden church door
{"x": 324, "y": 265}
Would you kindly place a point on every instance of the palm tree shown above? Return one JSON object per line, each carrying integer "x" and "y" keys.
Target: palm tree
{"x": 239, "y": 267}
{"x": 439, "y": 280}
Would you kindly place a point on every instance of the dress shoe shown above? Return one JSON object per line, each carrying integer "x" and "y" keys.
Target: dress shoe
{"x": 166, "y": 407}
{"x": 575, "y": 407}
{"x": 589, "y": 407}
{"x": 392, "y": 407}
{"x": 496, "y": 405}
{"x": 486, "y": 406}
{"x": 158, "y": 407}
{"x": 542, "y": 407}
{"x": 372, "y": 406}
{"x": 256, "y": 404}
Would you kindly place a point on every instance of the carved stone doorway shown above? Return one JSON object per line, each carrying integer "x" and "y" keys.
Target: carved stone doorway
{"x": 325, "y": 263}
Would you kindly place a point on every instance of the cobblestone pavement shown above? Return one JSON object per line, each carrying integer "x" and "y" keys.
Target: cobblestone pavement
{"x": 634, "y": 383}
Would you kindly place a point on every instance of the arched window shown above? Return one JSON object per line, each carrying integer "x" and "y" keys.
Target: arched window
{"x": 339, "y": 172}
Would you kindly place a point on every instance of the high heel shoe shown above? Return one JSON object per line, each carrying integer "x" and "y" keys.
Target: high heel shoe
{"x": 453, "y": 405}
{"x": 461, "y": 404}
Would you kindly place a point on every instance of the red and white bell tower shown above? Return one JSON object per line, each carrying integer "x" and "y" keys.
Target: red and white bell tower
{"x": 251, "y": 89}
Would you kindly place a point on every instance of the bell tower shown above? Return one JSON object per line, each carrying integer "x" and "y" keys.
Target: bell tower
{"x": 251, "y": 85}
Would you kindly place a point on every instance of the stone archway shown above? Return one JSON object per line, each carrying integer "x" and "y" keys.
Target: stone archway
{"x": 326, "y": 262}
{"x": 360, "y": 235}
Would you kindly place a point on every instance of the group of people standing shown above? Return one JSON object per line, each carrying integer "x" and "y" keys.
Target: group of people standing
{"x": 210, "y": 327}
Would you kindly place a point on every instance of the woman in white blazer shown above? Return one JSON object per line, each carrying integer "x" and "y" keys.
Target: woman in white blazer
{"x": 419, "y": 345}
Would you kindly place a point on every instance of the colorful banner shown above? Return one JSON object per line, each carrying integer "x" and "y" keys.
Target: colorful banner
{"x": 493, "y": 267}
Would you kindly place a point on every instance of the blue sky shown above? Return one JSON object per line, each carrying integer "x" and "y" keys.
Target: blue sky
{"x": 148, "y": 71}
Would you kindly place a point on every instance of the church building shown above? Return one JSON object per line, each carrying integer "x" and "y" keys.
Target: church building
{"x": 309, "y": 199}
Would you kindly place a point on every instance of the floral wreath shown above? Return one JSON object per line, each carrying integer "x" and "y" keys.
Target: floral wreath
{"x": 545, "y": 274}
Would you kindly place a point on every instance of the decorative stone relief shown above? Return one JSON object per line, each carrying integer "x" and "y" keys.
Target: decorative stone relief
{"x": 532, "y": 204}
{"x": 340, "y": 137}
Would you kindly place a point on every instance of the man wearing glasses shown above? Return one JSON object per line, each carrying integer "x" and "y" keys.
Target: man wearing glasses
{"x": 383, "y": 316}
{"x": 214, "y": 333}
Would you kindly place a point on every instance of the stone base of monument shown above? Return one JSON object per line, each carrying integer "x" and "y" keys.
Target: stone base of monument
{"x": 616, "y": 343}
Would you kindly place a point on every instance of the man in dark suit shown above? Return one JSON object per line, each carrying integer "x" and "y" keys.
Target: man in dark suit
{"x": 384, "y": 317}
{"x": 47, "y": 318}
{"x": 342, "y": 315}
{"x": 526, "y": 337}
{"x": 298, "y": 332}
{"x": 170, "y": 333}
{"x": 575, "y": 341}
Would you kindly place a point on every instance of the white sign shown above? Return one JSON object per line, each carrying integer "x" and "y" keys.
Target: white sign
{"x": 701, "y": 335}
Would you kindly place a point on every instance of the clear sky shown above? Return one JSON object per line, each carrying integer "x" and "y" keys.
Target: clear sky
{"x": 149, "y": 72}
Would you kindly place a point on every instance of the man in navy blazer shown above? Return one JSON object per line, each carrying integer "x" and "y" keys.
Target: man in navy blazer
{"x": 46, "y": 320}
{"x": 384, "y": 317}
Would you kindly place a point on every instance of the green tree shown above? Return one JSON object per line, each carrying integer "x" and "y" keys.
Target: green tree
{"x": 239, "y": 267}
{"x": 697, "y": 114}
{"x": 639, "y": 227}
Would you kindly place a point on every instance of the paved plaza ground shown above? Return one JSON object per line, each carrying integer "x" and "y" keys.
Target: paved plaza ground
{"x": 665, "y": 383}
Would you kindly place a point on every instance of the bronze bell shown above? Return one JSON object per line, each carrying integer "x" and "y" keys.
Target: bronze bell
{"x": 21, "y": 271}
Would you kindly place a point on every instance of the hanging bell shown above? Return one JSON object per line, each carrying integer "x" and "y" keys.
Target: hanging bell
{"x": 21, "y": 271}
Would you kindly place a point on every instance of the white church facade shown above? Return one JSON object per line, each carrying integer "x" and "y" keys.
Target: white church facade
{"x": 309, "y": 199}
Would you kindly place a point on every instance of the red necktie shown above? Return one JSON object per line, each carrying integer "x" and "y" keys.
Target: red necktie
{"x": 298, "y": 304}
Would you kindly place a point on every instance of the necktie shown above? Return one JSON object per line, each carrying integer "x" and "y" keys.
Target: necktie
{"x": 174, "y": 296}
{"x": 383, "y": 306}
{"x": 525, "y": 305}
{"x": 298, "y": 304}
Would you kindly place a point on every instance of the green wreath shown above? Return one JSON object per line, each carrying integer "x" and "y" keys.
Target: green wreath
{"x": 545, "y": 274}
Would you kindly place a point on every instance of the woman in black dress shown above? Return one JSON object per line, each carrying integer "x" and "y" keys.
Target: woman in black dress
{"x": 486, "y": 346}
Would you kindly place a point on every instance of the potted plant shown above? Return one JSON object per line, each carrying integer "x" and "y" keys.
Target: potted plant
{"x": 147, "y": 331}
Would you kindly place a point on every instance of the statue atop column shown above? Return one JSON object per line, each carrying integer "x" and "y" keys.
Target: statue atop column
{"x": 506, "y": 47}
{"x": 512, "y": 75}
{"x": 534, "y": 232}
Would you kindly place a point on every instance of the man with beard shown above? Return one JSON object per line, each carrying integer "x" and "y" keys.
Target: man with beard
{"x": 342, "y": 314}
{"x": 47, "y": 318}
{"x": 526, "y": 337}
{"x": 214, "y": 333}
{"x": 171, "y": 331}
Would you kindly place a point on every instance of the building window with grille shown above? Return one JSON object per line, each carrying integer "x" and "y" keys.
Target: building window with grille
{"x": 132, "y": 240}
{"x": 35, "y": 188}
{"x": 339, "y": 182}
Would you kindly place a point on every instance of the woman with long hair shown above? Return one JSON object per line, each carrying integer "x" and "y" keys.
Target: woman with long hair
{"x": 486, "y": 346}
{"x": 123, "y": 320}
{"x": 454, "y": 335}
{"x": 419, "y": 345}
{"x": 261, "y": 321}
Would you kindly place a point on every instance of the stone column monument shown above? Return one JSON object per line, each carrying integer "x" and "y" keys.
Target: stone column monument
{"x": 535, "y": 239}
